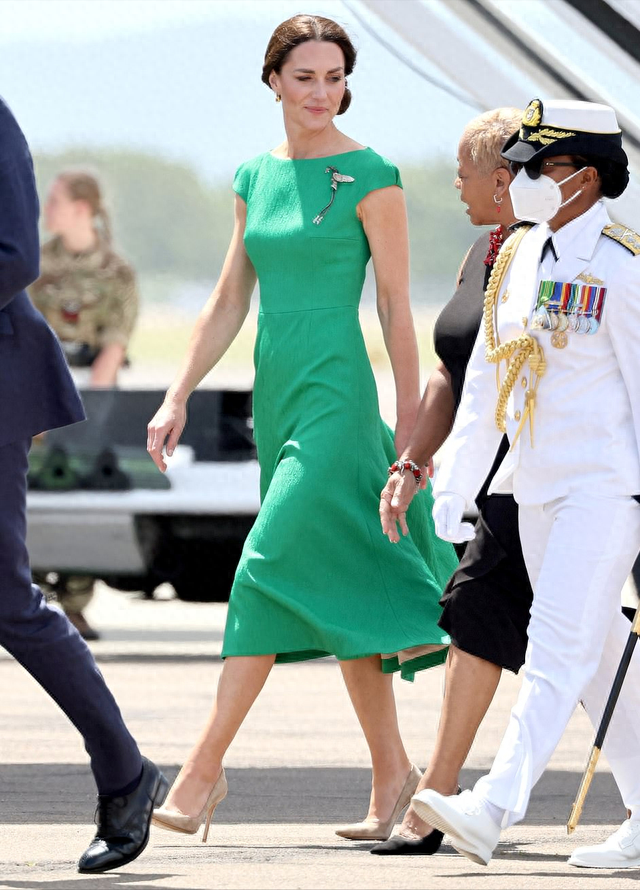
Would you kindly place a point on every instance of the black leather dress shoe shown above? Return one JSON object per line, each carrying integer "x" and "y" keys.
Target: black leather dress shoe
{"x": 123, "y": 823}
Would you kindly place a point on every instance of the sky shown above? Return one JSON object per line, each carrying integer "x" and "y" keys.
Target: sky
{"x": 82, "y": 20}
{"x": 181, "y": 78}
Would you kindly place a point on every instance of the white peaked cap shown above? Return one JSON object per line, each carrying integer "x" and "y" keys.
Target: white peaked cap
{"x": 566, "y": 126}
{"x": 585, "y": 117}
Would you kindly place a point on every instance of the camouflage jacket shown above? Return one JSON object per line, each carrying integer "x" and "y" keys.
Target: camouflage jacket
{"x": 88, "y": 298}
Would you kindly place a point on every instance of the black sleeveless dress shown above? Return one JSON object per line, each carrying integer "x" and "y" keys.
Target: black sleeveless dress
{"x": 487, "y": 600}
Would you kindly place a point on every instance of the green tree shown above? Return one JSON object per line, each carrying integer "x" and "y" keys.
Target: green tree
{"x": 165, "y": 219}
{"x": 170, "y": 223}
{"x": 439, "y": 230}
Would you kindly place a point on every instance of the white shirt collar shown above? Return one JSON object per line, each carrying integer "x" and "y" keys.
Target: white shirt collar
{"x": 579, "y": 236}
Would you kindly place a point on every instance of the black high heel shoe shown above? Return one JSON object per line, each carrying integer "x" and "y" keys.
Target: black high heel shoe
{"x": 404, "y": 846}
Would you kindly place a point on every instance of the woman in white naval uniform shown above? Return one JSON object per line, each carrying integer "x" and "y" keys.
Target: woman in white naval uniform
{"x": 562, "y": 315}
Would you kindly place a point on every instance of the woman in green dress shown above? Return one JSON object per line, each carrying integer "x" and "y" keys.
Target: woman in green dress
{"x": 316, "y": 576}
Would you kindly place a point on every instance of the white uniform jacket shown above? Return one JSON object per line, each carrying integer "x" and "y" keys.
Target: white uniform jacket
{"x": 587, "y": 415}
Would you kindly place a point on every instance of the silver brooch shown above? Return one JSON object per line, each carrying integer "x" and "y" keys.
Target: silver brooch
{"x": 336, "y": 177}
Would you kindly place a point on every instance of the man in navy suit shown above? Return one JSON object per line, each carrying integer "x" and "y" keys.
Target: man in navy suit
{"x": 37, "y": 394}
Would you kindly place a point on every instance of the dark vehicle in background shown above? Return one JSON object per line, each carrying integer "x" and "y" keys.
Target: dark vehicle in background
{"x": 98, "y": 506}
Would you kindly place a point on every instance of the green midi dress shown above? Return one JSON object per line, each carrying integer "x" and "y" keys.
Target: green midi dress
{"x": 317, "y": 576}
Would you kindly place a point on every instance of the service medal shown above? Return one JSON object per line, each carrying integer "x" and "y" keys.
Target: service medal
{"x": 539, "y": 320}
{"x": 574, "y": 322}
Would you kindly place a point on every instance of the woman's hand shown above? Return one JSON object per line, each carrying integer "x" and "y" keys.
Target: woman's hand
{"x": 394, "y": 503}
{"x": 169, "y": 422}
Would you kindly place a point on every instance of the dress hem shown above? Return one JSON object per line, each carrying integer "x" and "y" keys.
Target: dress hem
{"x": 390, "y": 664}
{"x": 409, "y": 669}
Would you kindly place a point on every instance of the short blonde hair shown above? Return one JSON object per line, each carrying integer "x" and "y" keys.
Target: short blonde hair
{"x": 485, "y": 135}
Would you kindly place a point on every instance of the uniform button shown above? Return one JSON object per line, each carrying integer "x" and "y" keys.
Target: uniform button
{"x": 525, "y": 321}
{"x": 524, "y": 382}
{"x": 517, "y": 415}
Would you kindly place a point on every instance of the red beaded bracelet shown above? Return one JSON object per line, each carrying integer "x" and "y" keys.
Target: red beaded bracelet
{"x": 399, "y": 466}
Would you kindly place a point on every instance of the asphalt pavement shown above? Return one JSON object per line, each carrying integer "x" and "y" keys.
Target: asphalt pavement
{"x": 297, "y": 769}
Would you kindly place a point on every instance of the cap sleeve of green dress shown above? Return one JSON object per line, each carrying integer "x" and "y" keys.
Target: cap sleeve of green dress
{"x": 242, "y": 180}
{"x": 376, "y": 173}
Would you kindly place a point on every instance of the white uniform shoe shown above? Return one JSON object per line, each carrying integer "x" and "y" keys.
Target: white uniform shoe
{"x": 621, "y": 850}
{"x": 463, "y": 817}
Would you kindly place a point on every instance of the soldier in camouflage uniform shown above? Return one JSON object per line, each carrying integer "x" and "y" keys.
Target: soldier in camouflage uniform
{"x": 88, "y": 295}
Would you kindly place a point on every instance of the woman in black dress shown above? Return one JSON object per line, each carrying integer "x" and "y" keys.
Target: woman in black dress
{"x": 487, "y": 601}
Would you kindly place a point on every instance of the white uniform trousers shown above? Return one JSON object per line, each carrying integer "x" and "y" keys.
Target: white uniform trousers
{"x": 578, "y": 550}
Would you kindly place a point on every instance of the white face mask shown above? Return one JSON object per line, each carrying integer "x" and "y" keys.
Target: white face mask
{"x": 538, "y": 200}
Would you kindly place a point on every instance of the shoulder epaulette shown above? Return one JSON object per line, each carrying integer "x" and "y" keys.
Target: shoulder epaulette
{"x": 627, "y": 237}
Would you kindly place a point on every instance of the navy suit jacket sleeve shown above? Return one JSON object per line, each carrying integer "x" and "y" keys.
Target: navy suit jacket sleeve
{"x": 19, "y": 243}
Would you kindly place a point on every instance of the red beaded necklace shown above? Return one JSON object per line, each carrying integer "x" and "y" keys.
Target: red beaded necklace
{"x": 496, "y": 237}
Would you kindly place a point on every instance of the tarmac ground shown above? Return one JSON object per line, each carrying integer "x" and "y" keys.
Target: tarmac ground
{"x": 297, "y": 769}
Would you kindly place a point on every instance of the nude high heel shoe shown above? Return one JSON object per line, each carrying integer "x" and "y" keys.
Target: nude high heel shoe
{"x": 174, "y": 821}
{"x": 374, "y": 829}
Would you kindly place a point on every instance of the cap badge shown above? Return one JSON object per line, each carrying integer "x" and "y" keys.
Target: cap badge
{"x": 532, "y": 114}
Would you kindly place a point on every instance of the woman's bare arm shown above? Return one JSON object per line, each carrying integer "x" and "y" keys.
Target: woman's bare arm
{"x": 216, "y": 328}
{"x": 433, "y": 424}
{"x": 104, "y": 370}
{"x": 384, "y": 218}
{"x": 435, "y": 417}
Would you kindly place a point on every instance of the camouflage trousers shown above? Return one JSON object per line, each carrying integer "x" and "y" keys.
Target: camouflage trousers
{"x": 75, "y": 593}
{"x": 72, "y": 592}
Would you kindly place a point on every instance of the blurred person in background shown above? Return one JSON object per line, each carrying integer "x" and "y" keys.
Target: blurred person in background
{"x": 487, "y": 600}
{"x": 88, "y": 295}
{"x": 316, "y": 577}
{"x": 36, "y": 394}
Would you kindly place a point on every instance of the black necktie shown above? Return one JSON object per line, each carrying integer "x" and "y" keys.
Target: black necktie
{"x": 548, "y": 246}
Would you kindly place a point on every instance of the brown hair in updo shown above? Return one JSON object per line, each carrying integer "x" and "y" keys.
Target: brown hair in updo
{"x": 84, "y": 186}
{"x": 300, "y": 29}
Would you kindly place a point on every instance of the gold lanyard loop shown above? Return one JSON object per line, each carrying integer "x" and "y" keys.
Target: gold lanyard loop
{"x": 515, "y": 352}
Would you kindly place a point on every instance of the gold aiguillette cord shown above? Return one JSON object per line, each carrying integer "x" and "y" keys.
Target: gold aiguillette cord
{"x": 515, "y": 352}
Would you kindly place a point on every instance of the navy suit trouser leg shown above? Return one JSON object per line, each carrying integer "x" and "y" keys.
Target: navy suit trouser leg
{"x": 43, "y": 641}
